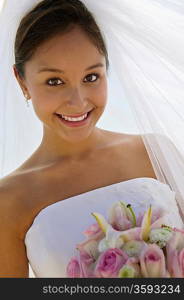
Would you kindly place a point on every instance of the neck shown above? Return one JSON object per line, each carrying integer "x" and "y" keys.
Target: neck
{"x": 53, "y": 148}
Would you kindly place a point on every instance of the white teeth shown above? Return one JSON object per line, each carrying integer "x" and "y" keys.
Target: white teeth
{"x": 74, "y": 119}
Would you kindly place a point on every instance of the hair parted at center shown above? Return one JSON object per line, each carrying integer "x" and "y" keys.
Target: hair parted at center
{"x": 49, "y": 18}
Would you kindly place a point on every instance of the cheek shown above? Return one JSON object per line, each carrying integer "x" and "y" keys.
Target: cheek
{"x": 44, "y": 101}
{"x": 101, "y": 94}
{"x": 104, "y": 94}
{"x": 43, "y": 106}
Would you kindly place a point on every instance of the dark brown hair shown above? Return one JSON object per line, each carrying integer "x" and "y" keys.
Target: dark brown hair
{"x": 49, "y": 18}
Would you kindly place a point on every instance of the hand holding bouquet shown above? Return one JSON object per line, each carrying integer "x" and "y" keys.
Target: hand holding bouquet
{"x": 129, "y": 246}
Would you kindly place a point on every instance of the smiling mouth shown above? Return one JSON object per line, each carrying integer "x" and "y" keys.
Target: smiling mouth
{"x": 74, "y": 117}
{"x": 75, "y": 122}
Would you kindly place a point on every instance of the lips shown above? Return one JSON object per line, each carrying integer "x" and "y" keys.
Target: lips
{"x": 73, "y": 124}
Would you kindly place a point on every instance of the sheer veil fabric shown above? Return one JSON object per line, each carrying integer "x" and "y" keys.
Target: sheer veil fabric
{"x": 145, "y": 43}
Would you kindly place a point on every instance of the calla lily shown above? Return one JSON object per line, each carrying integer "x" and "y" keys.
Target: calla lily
{"x": 129, "y": 212}
{"x": 146, "y": 225}
{"x": 131, "y": 234}
{"x": 93, "y": 232}
{"x": 112, "y": 237}
{"x": 158, "y": 217}
{"x": 121, "y": 216}
{"x": 101, "y": 221}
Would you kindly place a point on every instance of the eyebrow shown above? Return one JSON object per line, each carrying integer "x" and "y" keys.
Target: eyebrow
{"x": 47, "y": 69}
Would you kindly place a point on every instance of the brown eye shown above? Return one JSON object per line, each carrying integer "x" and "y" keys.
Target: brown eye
{"x": 53, "y": 81}
{"x": 92, "y": 77}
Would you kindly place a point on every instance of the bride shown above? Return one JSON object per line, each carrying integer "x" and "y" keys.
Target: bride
{"x": 78, "y": 167}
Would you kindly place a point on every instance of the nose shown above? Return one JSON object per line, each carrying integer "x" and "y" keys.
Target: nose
{"x": 76, "y": 100}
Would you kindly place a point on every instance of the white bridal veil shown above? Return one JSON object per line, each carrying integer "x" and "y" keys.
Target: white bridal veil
{"x": 145, "y": 41}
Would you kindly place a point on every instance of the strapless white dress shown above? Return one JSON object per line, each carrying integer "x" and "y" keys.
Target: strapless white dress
{"x": 51, "y": 239}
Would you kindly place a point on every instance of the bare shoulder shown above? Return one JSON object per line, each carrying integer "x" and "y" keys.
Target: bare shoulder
{"x": 13, "y": 205}
{"x": 13, "y": 258}
{"x": 136, "y": 141}
{"x": 140, "y": 156}
{"x": 128, "y": 141}
{"x": 132, "y": 149}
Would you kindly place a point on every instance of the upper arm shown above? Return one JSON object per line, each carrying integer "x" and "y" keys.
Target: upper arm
{"x": 13, "y": 258}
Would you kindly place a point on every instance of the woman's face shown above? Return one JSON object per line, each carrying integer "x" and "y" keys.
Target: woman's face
{"x": 77, "y": 87}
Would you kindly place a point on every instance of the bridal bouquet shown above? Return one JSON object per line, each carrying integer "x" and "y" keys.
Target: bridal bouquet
{"x": 129, "y": 246}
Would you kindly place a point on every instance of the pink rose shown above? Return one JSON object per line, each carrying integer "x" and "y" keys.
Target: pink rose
{"x": 109, "y": 263}
{"x": 181, "y": 262}
{"x": 73, "y": 268}
{"x": 86, "y": 262}
{"x": 152, "y": 262}
{"x": 175, "y": 254}
{"x": 81, "y": 267}
{"x": 175, "y": 264}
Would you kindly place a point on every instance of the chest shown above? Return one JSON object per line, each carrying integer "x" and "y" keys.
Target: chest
{"x": 63, "y": 181}
{"x": 71, "y": 179}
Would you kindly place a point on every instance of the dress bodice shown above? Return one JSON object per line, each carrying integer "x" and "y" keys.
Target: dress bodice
{"x": 51, "y": 239}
